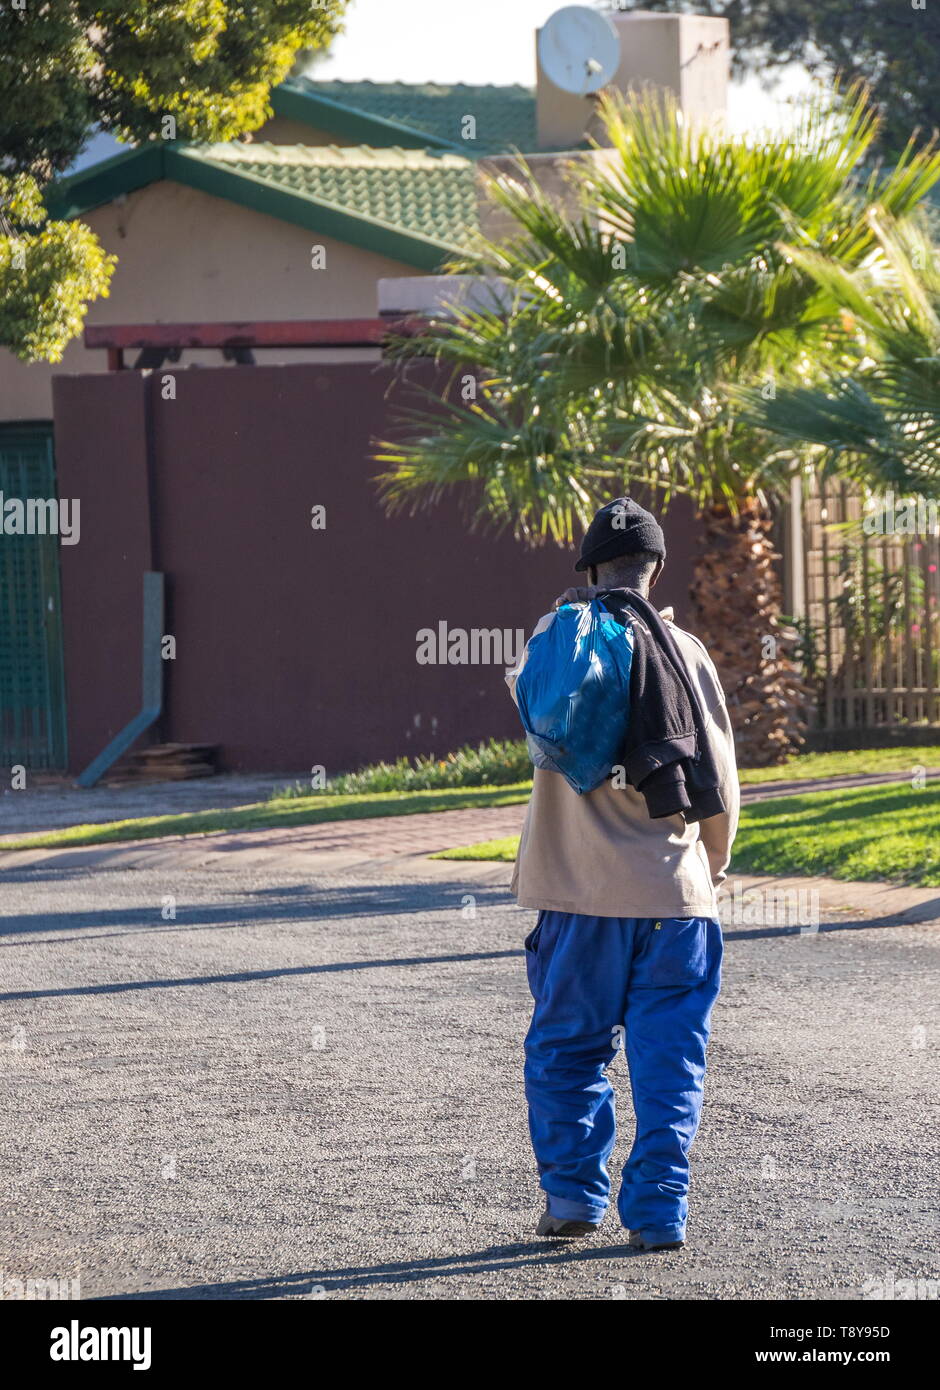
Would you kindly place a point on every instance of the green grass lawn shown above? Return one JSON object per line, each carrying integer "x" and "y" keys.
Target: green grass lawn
{"x": 312, "y": 810}
{"x": 871, "y": 833}
{"x": 503, "y": 851}
{"x": 842, "y": 764}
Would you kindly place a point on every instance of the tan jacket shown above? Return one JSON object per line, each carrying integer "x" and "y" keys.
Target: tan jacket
{"x": 601, "y": 855}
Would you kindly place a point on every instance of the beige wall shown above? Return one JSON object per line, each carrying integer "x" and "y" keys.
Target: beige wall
{"x": 552, "y": 172}
{"x": 282, "y": 131}
{"x": 187, "y": 257}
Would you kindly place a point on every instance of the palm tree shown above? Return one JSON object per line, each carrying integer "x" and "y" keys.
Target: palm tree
{"x": 613, "y": 330}
{"x": 876, "y": 414}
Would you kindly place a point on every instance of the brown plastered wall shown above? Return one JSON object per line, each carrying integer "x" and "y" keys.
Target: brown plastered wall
{"x": 295, "y": 646}
{"x": 101, "y": 460}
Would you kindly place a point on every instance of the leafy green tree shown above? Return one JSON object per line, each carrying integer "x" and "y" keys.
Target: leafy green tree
{"x": 142, "y": 70}
{"x": 618, "y": 330}
{"x": 48, "y": 273}
{"x": 891, "y": 47}
{"x": 126, "y": 66}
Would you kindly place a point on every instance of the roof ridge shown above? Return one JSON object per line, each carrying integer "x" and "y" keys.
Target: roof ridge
{"x": 259, "y": 151}
{"x": 412, "y": 86}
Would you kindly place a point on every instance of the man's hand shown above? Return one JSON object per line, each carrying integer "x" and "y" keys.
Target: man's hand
{"x": 576, "y": 596}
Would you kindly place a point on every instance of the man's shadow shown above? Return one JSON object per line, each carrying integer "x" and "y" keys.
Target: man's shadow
{"x": 323, "y": 1282}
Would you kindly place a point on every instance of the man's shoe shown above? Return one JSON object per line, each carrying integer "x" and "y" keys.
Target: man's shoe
{"x": 640, "y": 1242}
{"x": 561, "y": 1228}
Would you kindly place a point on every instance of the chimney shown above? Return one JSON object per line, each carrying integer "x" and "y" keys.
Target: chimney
{"x": 686, "y": 54}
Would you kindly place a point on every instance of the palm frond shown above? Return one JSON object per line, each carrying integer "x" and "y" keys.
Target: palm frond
{"x": 880, "y": 419}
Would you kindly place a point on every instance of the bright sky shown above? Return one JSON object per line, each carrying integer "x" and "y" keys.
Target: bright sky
{"x": 483, "y": 41}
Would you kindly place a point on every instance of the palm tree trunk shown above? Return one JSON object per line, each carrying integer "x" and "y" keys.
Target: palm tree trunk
{"x": 736, "y": 610}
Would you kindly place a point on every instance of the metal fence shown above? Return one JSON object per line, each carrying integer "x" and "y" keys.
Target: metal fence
{"x": 32, "y": 690}
{"x": 869, "y": 609}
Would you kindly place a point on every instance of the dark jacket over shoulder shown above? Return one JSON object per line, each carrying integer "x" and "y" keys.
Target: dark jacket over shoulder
{"x": 666, "y": 755}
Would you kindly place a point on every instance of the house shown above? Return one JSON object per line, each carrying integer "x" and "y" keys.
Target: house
{"x": 299, "y": 223}
{"x": 346, "y": 186}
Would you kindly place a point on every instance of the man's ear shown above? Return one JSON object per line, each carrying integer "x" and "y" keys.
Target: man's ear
{"x": 660, "y": 566}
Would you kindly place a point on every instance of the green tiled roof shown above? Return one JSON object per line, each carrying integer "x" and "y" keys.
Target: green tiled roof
{"x": 505, "y": 116}
{"x": 415, "y": 206}
{"x": 421, "y": 192}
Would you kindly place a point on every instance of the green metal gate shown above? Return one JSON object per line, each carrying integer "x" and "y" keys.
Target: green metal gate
{"x": 32, "y": 682}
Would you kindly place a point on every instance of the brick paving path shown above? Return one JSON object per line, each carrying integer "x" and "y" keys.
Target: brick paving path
{"x": 422, "y": 833}
{"x": 390, "y": 837}
{"x": 334, "y": 844}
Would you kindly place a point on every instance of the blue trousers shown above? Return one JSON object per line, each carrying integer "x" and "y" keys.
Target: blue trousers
{"x": 598, "y": 983}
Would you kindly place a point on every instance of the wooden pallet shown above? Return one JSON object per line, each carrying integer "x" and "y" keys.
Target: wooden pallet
{"x": 165, "y": 762}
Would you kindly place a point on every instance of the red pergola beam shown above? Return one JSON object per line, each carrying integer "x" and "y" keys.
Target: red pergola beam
{"x": 287, "y": 333}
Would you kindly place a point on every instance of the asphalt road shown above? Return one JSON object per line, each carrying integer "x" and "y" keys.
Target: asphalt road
{"x": 301, "y": 1088}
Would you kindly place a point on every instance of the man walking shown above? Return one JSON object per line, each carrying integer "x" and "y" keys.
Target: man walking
{"x": 627, "y": 946}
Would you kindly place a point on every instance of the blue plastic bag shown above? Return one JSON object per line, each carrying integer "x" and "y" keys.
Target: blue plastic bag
{"x": 573, "y": 694}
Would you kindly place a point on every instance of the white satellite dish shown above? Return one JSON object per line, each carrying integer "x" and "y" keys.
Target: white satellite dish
{"x": 579, "y": 49}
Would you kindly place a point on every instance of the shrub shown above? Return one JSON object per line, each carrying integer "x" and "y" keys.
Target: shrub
{"x": 496, "y": 763}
